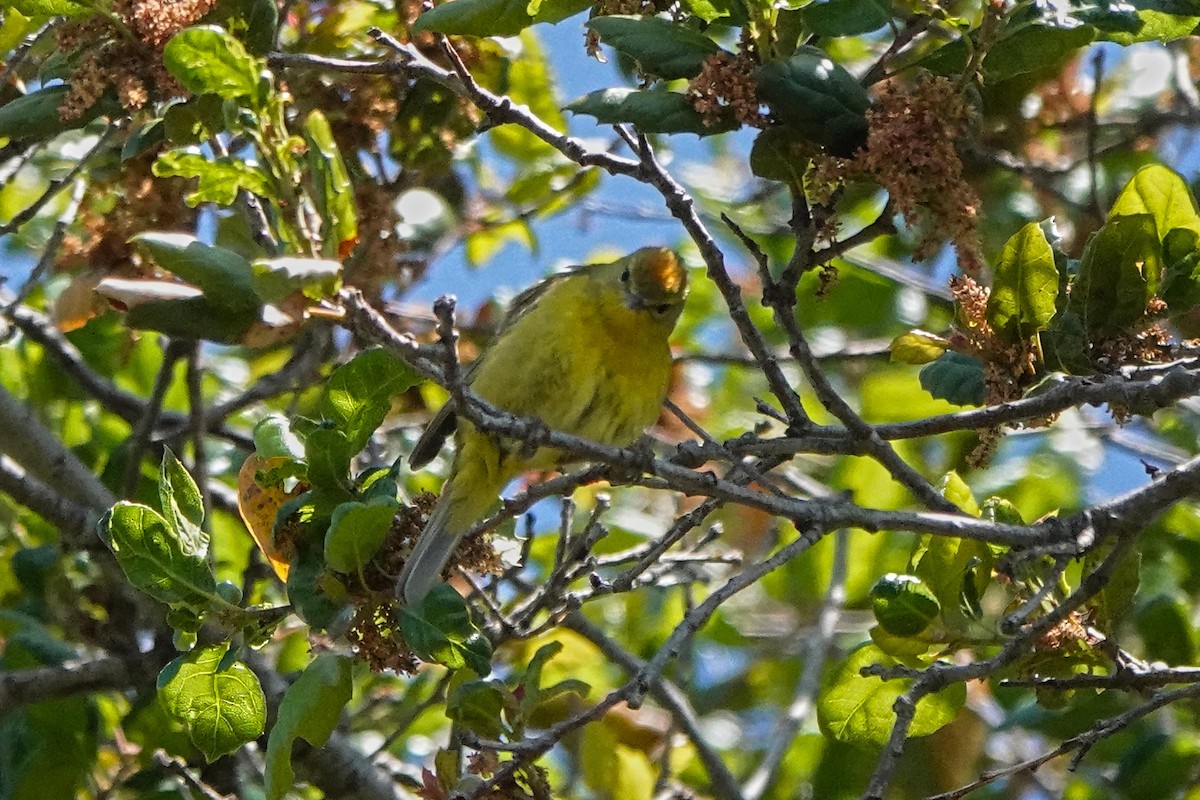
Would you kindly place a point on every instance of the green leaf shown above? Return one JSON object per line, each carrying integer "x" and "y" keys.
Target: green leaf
{"x": 333, "y": 193}
{"x": 661, "y": 48}
{"x": 14, "y": 28}
{"x": 917, "y": 347}
{"x": 51, "y": 8}
{"x": 358, "y": 394}
{"x": 1158, "y": 20}
{"x": 218, "y": 700}
{"x": 1033, "y": 48}
{"x": 273, "y": 437}
{"x": 958, "y": 572}
{"x": 903, "y": 605}
{"x": 494, "y": 17}
{"x": 439, "y": 630}
{"x": 815, "y": 96}
{"x": 481, "y": 706}
{"x": 845, "y": 17}
{"x": 650, "y": 111}
{"x": 218, "y": 179}
{"x": 1180, "y": 287}
{"x": 1165, "y": 625}
{"x": 858, "y": 710}
{"x": 153, "y": 557}
{"x": 534, "y": 695}
{"x": 34, "y": 116}
{"x": 1117, "y": 17}
{"x": 483, "y": 244}
{"x": 956, "y": 378}
{"x": 328, "y": 453}
{"x": 277, "y": 278}
{"x": 998, "y": 509}
{"x": 309, "y": 710}
{"x": 778, "y": 154}
{"x": 252, "y": 21}
{"x": 207, "y": 60}
{"x": 1025, "y": 286}
{"x": 904, "y": 648}
{"x": 1065, "y": 345}
{"x": 193, "y": 318}
{"x": 956, "y": 490}
{"x": 711, "y": 10}
{"x": 49, "y": 748}
{"x": 528, "y": 81}
{"x": 1114, "y": 602}
{"x": 316, "y": 594}
{"x": 194, "y": 121}
{"x": 224, "y": 276}
{"x": 1117, "y": 274}
{"x": 181, "y": 503}
{"x": 355, "y": 533}
{"x": 1163, "y": 194}
{"x": 143, "y": 139}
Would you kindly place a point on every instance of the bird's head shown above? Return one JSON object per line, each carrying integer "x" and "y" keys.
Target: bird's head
{"x": 654, "y": 280}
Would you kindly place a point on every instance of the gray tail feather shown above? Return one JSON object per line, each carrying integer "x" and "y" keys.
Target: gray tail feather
{"x": 433, "y": 549}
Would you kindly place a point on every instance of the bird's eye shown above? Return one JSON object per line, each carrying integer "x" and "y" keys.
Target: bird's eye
{"x": 625, "y": 276}
{"x": 662, "y": 308}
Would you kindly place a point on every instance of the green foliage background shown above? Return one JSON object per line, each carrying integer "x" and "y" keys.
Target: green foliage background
{"x": 878, "y": 546}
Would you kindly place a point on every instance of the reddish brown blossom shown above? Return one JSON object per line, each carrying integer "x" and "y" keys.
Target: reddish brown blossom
{"x": 126, "y": 55}
{"x": 726, "y": 85}
{"x": 912, "y": 151}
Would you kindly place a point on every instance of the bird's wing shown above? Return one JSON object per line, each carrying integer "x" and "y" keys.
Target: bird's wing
{"x": 445, "y": 421}
{"x": 433, "y": 437}
{"x": 523, "y": 302}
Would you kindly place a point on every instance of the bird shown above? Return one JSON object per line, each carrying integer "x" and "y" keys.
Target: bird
{"x": 586, "y": 352}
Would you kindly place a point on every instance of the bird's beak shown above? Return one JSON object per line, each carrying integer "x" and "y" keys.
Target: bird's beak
{"x": 634, "y": 301}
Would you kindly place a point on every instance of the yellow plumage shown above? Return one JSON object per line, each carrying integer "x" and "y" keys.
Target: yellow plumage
{"x": 586, "y": 353}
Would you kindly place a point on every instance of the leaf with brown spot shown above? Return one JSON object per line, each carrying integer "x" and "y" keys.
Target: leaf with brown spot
{"x": 259, "y": 504}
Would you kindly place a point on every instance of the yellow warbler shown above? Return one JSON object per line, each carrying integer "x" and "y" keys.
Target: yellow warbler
{"x": 585, "y": 351}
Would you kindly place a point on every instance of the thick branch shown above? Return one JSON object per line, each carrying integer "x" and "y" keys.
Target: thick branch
{"x": 28, "y": 686}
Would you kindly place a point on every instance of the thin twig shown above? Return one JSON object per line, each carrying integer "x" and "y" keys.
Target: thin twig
{"x": 139, "y": 438}
{"x": 1080, "y": 743}
{"x": 57, "y": 185}
{"x": 817, "y": 645}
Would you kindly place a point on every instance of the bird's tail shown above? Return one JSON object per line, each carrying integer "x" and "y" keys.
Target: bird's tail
{"x": 433, "y": 549}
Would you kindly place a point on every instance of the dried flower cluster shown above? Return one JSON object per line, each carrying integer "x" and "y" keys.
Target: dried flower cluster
{"x": 1009, "y": 369}
{"x": 605, "y": 8}
{"x": 125, "y": 56}
{"x": 113, "y": 212}
{"x": 912, "y": 152}
{"x": 1146, "y": 343}
{"x": 375, "y": 632}
{"x": 726, "y": 85}
{"x": 375, "y": 637}
{"x": 379, "y": 257}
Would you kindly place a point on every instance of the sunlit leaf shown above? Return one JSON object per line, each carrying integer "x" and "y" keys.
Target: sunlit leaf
{"x": 649, "y": 111}
{"x": 218, "y": 699}
{"x": 358, "y": 394}
{"x": 917, "y": 347}
{"x": 207, "y": 60}
{"x": 153, "y": 557}
{"x": 309, "y": 710}
{"x": 1117, "y": 274}
{"x": 355, "y": 533}
{"x": 494, "y": 17}
{"x": 439, "y": 630}
{"x": 858, "y": 710}
{"x": 660, "y": 47}
{"x": 1024, "y": 286}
